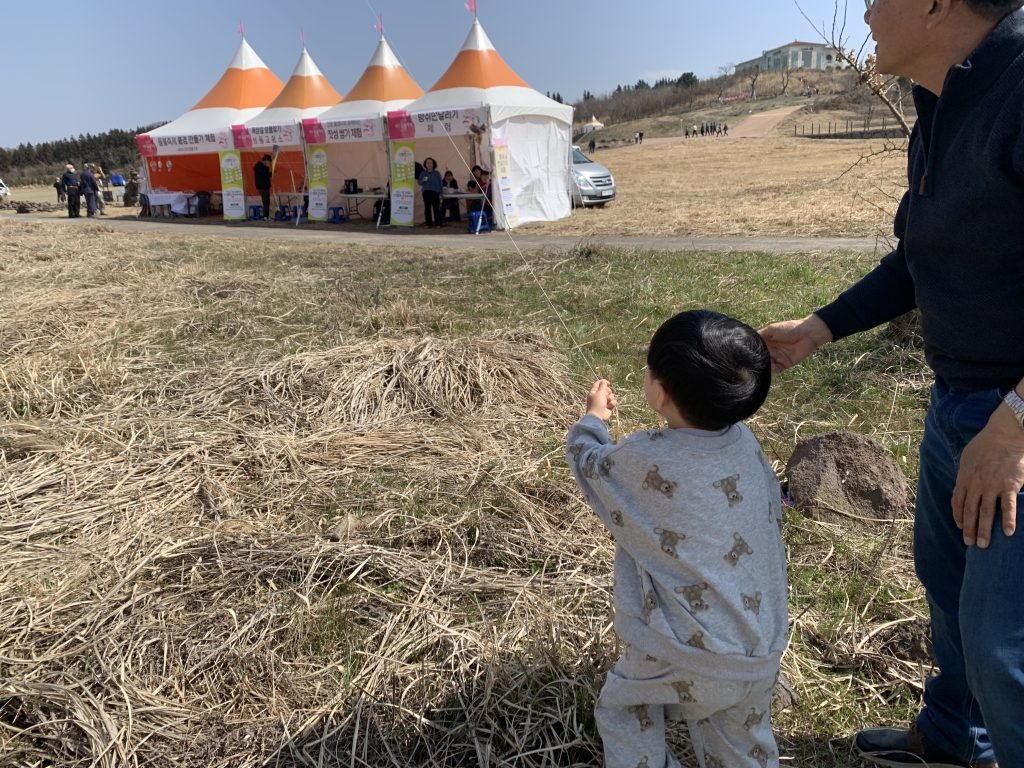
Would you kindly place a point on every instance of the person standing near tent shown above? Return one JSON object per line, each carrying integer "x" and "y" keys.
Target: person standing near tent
{"x": 90, "y": 189}
{"x": 70, "y": 184}
{"x": 61, "y": 197}
{"x": 430, "y": 181}
{"x": 263, "y": 175}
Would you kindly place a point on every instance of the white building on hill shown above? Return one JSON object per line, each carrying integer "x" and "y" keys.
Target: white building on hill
{"x": 795, "y": 55}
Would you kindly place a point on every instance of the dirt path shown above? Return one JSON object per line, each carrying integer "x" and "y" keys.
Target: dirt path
{"x": 762, "y": 124}
{"x": 457, "y": 239}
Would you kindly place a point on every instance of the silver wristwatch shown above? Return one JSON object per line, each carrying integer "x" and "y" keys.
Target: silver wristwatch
{"x": 1016, "y": 404}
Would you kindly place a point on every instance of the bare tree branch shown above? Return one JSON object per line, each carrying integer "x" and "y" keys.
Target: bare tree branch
{"x": 864, "y": 67}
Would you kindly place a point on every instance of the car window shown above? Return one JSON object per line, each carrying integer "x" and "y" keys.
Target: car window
{"x": 579, "y": 158}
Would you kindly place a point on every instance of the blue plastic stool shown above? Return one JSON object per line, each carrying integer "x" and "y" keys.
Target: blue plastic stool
{"x": 255, "y": 212}
{"x": 335, "y": 216}
{"x": 283, "y": 214}
{"x": 478, "y": 219}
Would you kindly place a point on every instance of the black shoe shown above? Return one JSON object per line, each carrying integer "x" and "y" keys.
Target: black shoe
{"x": 907, "y": 746}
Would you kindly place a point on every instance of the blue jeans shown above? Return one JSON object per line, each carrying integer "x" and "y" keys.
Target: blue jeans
{"x": 976, "y": 703}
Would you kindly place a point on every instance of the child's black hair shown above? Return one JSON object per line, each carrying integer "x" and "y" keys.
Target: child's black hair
{"x": 716, "y": 370}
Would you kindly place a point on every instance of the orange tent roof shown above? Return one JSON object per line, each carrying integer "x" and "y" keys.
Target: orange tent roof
{"x": 247, "y": 83}
{"x": 478, "y": 65}
{"x": 384, "y": 79}
{"x": 307, "y": 88}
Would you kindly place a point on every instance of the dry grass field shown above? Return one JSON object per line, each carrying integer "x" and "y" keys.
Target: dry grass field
{"x": 268, "y": 503}
{"x": 772, "y": 186}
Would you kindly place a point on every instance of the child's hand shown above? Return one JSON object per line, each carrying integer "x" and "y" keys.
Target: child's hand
{"x": 601, "y": 400}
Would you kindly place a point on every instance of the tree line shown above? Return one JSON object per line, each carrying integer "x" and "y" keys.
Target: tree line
{"x": 39, "y": 163}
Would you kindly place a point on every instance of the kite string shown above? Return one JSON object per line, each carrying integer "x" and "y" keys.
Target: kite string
{"x": 577, "y": 347}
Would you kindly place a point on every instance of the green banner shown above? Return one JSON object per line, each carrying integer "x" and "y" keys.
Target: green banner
{"x": 232, "y": 185}
{"x": 316, "y": 172}
{"x": 403, "y": 182}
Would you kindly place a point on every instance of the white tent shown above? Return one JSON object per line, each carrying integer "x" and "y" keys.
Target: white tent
{"x": 182, "y": 155}
{"x": 354, "y": 129}
{"x": 306, "y": 95}
{"x": 480, "y": 102}
{"x": 593, "y": 125}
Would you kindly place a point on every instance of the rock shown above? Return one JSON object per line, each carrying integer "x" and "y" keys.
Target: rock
{"x": 23, "y": 208}
{"x": 846, "y": 477}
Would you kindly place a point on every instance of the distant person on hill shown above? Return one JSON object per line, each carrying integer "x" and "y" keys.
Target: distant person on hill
{"x": 591, "y": 146}
{"x": 89, "y": 189}
{"x": 640, "y": 137}
{"x": 725, "y": 129}
{"x": 61, "y": 197}
{"x": 263, "y": 177}
{"x": 72, "y": 191}
{"x": 431, "y": 183}
{"x": 700, "y": 566}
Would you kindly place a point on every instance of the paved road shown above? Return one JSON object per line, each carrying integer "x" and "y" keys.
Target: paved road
{"x": 457, "y": 239}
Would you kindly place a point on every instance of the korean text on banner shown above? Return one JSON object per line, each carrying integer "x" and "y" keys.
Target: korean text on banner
{"x": 232, "y": 185}
{"x": 317, "y": 175}
{"x": 403, "y": 182}
{"x": 503, "y": 177}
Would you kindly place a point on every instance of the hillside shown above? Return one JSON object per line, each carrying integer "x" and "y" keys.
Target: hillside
{"x": 664, "y": 111}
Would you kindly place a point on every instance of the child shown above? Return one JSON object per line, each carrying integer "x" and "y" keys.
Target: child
{"x": 700, "y": 573}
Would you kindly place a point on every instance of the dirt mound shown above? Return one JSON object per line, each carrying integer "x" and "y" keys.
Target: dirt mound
{"x": 846, "y": 477}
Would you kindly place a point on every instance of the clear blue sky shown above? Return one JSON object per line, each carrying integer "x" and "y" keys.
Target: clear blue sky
{"x": 86, "y": 67}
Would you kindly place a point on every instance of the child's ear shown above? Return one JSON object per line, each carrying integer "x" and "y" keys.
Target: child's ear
{"x": 658, "y": 395}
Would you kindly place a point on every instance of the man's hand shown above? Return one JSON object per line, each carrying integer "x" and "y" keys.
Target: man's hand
{"x": 792, "y": 340}
{"x": 601, "y": 400}
{"x": 991, "y": 470}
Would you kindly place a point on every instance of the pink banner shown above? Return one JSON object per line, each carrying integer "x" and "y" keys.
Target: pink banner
{"x": 241, "y": 136}
{"x": 314, "y": 131}
{"x": 400, "y": 125}
{"x": 146, "y": 145}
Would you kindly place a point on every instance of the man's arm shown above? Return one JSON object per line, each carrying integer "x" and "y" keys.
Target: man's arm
{"x": 991, "y": 470}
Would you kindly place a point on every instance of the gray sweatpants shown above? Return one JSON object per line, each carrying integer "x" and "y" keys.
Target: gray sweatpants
{"x": 729, "y": 722}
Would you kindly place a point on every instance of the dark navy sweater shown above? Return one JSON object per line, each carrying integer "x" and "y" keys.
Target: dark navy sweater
{"x": 960, "y": 225}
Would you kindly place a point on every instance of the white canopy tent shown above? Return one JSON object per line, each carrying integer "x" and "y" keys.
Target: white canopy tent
{"x": 183, "y": 154}
{"x": 354, "y": 129}
{"x": 480, "y": 101}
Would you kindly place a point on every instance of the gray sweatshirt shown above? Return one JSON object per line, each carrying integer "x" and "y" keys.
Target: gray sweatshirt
{"x": 700, "y": 567}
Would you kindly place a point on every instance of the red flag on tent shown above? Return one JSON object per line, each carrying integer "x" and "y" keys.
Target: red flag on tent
{"x": 379, "y": 26}
{"x": 241, "y": 29}
{"x": 471, "y": 6}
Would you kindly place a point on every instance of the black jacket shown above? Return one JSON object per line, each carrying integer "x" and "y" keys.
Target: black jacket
{"x": 263, "y": 175}
{"x": 960, "y": 225}
{"x": 69, "y": 180}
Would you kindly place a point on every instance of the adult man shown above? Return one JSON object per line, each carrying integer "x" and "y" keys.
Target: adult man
{"x": 69, "y": 183}
{"x": 960, "y": 260}
{"x": 263, "y": 175}
{"x": 90, "y": 189}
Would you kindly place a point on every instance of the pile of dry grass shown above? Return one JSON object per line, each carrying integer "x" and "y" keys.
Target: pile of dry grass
{"x": 265, "y": 565}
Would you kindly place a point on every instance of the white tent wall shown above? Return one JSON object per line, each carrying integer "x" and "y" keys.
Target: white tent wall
{"x": 539, "y": 152}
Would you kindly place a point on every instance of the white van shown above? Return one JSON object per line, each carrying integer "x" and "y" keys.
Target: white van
{"x": 4, "y": 191}
{"x": 592, "y": 183}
